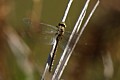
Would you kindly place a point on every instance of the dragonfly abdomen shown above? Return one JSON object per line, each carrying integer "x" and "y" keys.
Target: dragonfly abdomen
{"x": 53, "y": 57}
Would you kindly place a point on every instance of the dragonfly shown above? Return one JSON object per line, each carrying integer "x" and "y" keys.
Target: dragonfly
{"x": 58, "y": 31}
{"x": 58, "y": 36}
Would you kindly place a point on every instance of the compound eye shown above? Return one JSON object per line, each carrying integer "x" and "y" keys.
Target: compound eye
{"x": 62, "y": 24}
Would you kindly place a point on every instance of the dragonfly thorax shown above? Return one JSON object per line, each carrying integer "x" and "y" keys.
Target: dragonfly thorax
{"x": 61, "y": 29}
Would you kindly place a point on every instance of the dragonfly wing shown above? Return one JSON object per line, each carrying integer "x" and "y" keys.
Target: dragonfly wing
{"x": 51, "y": 26}
{"x": 46, "y": 32}
{"x": 44, "y": 27}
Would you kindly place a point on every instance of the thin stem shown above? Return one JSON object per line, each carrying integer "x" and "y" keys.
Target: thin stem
{"x": 67, "y": 10}
{"x": 84, "y": 26}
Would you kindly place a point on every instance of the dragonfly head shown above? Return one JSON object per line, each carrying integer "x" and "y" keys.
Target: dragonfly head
{"x": 62, "y": 24}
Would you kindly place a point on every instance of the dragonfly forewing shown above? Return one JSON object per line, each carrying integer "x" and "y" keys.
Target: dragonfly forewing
{"x": 46, "y": 31}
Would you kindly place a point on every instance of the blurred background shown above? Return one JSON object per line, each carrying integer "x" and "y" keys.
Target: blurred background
{"x": 24, "y": 50}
